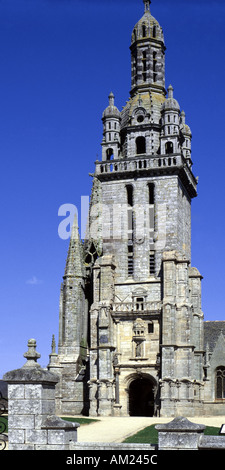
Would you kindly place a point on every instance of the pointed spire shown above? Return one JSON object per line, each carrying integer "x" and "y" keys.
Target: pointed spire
{"x": 75, "y": 230}
{"x": 147, "y": 5}
{"x": 74, "y": 262}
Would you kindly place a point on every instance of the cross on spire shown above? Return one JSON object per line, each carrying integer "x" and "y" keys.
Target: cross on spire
{"x": 147, "y": 5}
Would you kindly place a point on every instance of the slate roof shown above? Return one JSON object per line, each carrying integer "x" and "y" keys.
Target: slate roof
{"x": 212, "y": 330}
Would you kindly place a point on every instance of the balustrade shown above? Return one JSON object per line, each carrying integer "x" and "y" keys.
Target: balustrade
{"x": 134, "y": 164}
{"x": 133, "y": 307}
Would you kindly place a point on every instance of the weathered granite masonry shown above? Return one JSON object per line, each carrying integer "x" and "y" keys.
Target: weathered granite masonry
{"x": 131, "y": 326}
{"x": 182, "y": 434}
{"x": 32, "y": 424}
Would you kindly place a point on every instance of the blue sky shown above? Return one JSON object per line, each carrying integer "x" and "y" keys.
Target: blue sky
{"x": 59, "y": 60}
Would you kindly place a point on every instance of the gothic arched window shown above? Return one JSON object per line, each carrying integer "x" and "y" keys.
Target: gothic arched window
{"x": 144, "y": 65}
{"x": 220, "y": 382}
{"x": 143, "y": 30}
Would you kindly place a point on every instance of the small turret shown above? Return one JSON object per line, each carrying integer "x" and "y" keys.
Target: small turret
{"x": 111, "y": 131}
{"x": 186, "y": 136}
{"x": 170, "y": 124}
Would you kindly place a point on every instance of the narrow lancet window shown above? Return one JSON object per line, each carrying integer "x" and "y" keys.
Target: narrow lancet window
{"x": 152, "y": 263}
{"x": 129, "y": 195}
{"x": 144, "y": 65}
{"x": 143, "y": 30}
{"x": 130, "y": 260}
{"x": 151, "y": 190}
{"x": 151, "y": 195}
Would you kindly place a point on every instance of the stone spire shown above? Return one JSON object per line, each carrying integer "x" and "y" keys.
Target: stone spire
{"x": 147, "y": 55}
{"x": 74, "y": 263}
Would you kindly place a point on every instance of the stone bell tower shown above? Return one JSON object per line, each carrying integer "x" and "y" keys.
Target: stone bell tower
{"x": 136, "y": 286}
{"x": 146, "y": 322}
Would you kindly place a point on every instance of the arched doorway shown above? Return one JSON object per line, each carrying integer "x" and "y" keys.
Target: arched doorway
{"x": 141, "y": 397}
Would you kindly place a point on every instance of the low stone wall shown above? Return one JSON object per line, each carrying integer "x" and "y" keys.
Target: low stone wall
{"x": 182, "y": 434}
{"x": 212, "y": 443}
{"x": 113, "y": 446}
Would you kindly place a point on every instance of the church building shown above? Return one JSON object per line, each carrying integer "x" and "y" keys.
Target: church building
{"x": 132, "y": 336}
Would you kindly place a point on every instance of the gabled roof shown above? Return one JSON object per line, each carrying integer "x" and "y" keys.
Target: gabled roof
{"x": 212, "y": 331}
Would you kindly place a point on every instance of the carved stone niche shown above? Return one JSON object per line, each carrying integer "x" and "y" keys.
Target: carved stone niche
{"x": 138, "y": 338}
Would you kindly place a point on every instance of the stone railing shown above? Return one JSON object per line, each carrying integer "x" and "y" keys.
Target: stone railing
{"x": 141, "y": 308}
{"x": 141, "y": 163}
{"x": 150, "y": 163}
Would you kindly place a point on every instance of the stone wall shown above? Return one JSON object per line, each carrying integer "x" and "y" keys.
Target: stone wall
{"x": 32, "y": 423}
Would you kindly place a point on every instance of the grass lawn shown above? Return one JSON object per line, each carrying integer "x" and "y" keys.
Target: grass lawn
{"x": 150, "y": 435}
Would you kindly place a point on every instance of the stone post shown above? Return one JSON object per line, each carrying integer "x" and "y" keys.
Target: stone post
{"x": 179, "y": 434}
{"x": 32, "y": 424}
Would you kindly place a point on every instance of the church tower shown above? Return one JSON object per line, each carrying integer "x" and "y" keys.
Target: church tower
{"x": 142, "y": 297}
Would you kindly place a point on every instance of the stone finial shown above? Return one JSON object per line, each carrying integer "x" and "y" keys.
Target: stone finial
{"x": 170, "y": 91}
{"x": 182, "y": 116}
{"x": 147, "y": 5}
{"x": 32, "y": 355}
{"x": 111, "y": 99}
{"x": 53, "y": 344}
